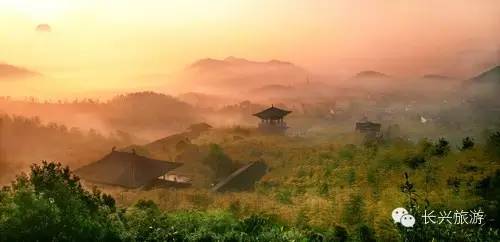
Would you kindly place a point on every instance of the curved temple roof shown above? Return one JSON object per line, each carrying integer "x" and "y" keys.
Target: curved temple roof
{"x": 125, "y": 169}
{"x": 242, "y": 179}
{"x": 272, "y": 113}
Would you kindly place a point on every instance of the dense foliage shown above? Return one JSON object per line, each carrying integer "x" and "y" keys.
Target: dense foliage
{"x": 50, "y": 204}
{"x": 339, "y": 192}
{"x": 219, "y": 162}
{"x": 25, "y": 139}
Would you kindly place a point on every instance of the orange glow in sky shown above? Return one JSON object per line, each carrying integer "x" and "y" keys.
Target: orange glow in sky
{"x": 98, "y": 44}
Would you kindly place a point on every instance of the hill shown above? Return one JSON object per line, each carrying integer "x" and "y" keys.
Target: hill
{"x": 370, "y": 74}
{"x": 272, "y": 90}
{"x": 203, "y": 100}
{"x": 237, "y": 74}
{"x": 370, "y": 80}
{"x": 158, "y": 112}
{"x": 209, "y": 64}
{"x": 436, "y": 77}
{"x": 10, "y": 72}
{"x": 148, "y": 115}
{"x": 490, "y": 76}
{"x": 484, "y": 87}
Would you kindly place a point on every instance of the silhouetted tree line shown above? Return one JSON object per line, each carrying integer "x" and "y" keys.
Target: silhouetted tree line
{"x": 23, "y": 139}
{"x": 134, "y": 112}
{"x": 49, "y": 204}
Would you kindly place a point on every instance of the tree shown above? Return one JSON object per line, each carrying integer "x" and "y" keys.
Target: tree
{"x": 365, "y": 233}
{"x": 467, "y": 144}
{"x": 493, "y": 144}
{"x": 51, "y": 205}
{"x": 219, "y": 162}
{"x": 415, "y": 161}
{"x": 441, "y": 148}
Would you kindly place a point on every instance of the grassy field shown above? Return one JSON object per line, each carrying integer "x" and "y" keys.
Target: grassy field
{"x": 323, "y": 181}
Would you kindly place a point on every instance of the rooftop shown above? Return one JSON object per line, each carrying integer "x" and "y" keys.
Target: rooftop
{"x": 125, "y": 169}
{"x": 272, "y": 113}
{"x": 243, "y": 178}
{"x": 368, "y": 126}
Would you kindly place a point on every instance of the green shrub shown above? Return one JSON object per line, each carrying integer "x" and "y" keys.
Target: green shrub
{"x": 454, "y": 183}
{"x": 350, "y": 176}
{"x": 329, "y": 169}
{"x": 489, "y": 189}
{"x": 301, "y": 219}
{"x": 439, "y": 231}
{"x": 441, "y": 148}
{"x": 51, "y": 205}
{"x": 365, "y": 233}
{"x": 257, "y": 223}
{"x": 354, "y": 211}
{"x": 493, "y": 144}
{"x": 200, "y": 200}
{"x": 284, "y": 196}
{"x": 219, "y": 162}
{"x": 424, "y": 147}
{"x": 347, "y": 152}
{"x": 340, "y": 234}
{"x": 467, "y": 144}
{"x": 323, "y": 189}
{"x": 415, "y": 161}
{"x": 235, "y": 207}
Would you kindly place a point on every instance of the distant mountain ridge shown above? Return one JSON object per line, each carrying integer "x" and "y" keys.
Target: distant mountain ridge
{"x": 371, "y": 74}
{"x": 436, "y": 77}
{"x": 273, "y": 88}
{"x": 234, "y": 62}
{"x": 9, "y": 71}
{"x": 237, "y": 74}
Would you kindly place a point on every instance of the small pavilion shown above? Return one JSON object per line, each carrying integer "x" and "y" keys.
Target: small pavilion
{"x": 272, "y": 120}
{"x": 369, "y": 129}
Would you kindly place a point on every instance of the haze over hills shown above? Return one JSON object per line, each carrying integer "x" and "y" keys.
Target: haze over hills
{"x": 204, "y": 100}
{"x": 13, "y": 72}
{"x": 371, "y": 80}
{"x": 237, "y": 74}
{"x": 489, "y": 76}
{"x": 371, "y": 74}
{"x": 249, "y": 120}
{"x": 144, "y": 114}
{"x": 485, "y": 86}
{"x": 436, "y": 77}
{"x": 258, "y": 84}
{"x": 210, "y": 64}
{"x": 272, "y": 88}
{"x": 306, "y": 91}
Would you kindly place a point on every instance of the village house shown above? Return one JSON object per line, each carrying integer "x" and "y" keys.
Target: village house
{"x": 369, "y": 129}
{"x": 272, "y": 120}
{"x": 126, "y": 169}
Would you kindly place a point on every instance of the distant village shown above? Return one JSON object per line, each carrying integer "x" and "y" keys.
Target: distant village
{"x": 130, "y": 170}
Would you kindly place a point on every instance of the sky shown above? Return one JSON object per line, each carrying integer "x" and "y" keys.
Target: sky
{"x": 101, "y": 45}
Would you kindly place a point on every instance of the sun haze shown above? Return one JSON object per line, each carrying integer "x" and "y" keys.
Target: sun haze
{"x": 96, "y": 47}
{"x": 249, "y": 120}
